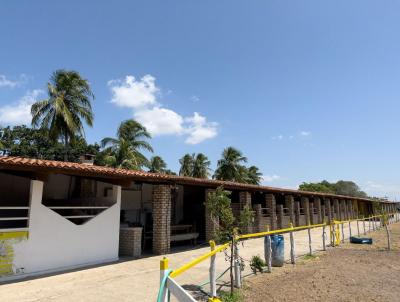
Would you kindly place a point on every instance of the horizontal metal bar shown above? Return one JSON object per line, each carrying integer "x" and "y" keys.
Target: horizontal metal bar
{"x": 79, "y": 216}
{"x": 13, "y": 230}
{"x": 78, "y": 207}
{"x": 181, "y": 294}
{"x": 13, "y": 218}
{"x": 14, "y": 208}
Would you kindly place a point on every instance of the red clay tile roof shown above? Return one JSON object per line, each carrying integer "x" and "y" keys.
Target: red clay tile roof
{"x": 53, "y": 167}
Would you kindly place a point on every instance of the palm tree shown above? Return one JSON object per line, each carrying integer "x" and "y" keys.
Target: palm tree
{"x": 67, "y": 107}
{"x": 201, "y": 166}
{"x": 124, "y": 151}
{"x": 230, "y": 167}
{"x": 254, "y": 175}
{"x": 187, "y": 162}
{"x": 157, "y": 165}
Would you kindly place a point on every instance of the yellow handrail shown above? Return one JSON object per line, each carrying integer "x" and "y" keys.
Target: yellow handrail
{"x": 196, "y": 261}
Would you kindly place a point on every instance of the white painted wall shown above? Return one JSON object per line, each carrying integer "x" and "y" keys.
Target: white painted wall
{"x": 56, "y": 243}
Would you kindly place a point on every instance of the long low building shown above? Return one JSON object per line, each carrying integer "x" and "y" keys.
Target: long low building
{"x": 60, "y": 215}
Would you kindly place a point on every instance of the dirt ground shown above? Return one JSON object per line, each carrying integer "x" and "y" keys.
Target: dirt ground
{"x": 346, "y": 273}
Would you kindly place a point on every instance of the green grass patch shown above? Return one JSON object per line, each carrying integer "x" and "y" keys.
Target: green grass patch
{"x": 236, "y": 296}
{"x": 310, "y": 257}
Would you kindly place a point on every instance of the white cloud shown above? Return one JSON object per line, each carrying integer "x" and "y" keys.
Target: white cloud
{"x": 6, "y": 82}
{"x": 199, "y": 129}
{"x": 19, "y": 112}
{"x": 160, "y": 121}
{"x": 270, "y": 178}
{"x": 378, "y": 189}
{"x": 278, "y": 137}
{"x": 141, "y": 97}
{"x": 194, "y": 98}
{"x": 134, "y": 93}
{"x": 305, "y": 133}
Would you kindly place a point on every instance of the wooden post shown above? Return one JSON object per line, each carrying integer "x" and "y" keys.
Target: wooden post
{"x": 323, "y": 238}
{"x": 213, "y": 281}
{"x": 333, "y": 234}
{"x": 292, "y": 252}
{"x": 342, "y": 224}
{"x": 388, "y": 235}
{"x": 358, "y": 228}
{"x": 268, "y": 251}
{"x": 309, "y": 240}
{"x": 238, "y": 278}
{"x": 349, "y": 228}
{"x": 365, "y": 231}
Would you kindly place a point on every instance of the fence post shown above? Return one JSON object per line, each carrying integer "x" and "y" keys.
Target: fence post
{"x": 342, "y": 224}
{"x": 333, "y": 232}
{"x": 163, "y": 273}
{"x": 387, "y": 232}
{"x": 365, "y": 231}
{"x": 323, "y": 238}
{"x": 309, "y": 240}
{"x": 358, "y": 228}
{"x": 213, "y": 281}
{"x": 238, "y": 277}
{"x": 292, "y": 252}
{"x": 369, "y": 224}
{"x": 349, "y": 228}
{"x": 268, "y": 251}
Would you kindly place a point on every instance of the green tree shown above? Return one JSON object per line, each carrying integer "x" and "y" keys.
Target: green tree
{"x": 157, "y": 165}
{"x": 317, "y": 187}
{"x": 218, "y": 205}
{"x": 187, "y": 162}
{"x": 125, "y": 150}
{"x": 342, "y": 187}
{"x": 67, "y": 107}
{"x": 254, "y": 175}
{"x": 230, "y": 167}
{"x": 201, "y": 166}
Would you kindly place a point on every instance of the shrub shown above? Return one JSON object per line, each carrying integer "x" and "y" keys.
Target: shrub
{"x": 257, "y": 264}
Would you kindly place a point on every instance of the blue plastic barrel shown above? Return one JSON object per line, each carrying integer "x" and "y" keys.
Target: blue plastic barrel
{"x": 278, "y": 250}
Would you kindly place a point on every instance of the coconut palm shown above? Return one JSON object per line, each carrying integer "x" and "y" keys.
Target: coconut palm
{"x": 157, "y": 165}
{"x": 66, "y": 109}
{"x": 230, "y": 167}
{"x": 125, "y": 150}
{"x": 254, "y": 175}
{"x": 201, "y": 166}
{"x": 187, "y": 162}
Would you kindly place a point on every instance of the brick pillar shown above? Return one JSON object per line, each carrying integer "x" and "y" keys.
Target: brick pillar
{"x": 212, "y": 224}
{"x": 305, "y": 204}
{"x": 271, "y": 205}
{"x": 350, "y": 209}
{"x": 279, "y": 212}
{"x": 336, "y": 208}
{"x": 323, "y": 213}
{"x": 161, "y": 219}
{"x": 317, "y": 204}
{"x": 257, "y": 218}
{"x": 342, "y": 209}
{"x": 245, "y": 200}
{"x": 289, "y": 201}
{"x": 328, "y": 207}
{"x": 312, "y": 212}
{"x": 297, "y": 213}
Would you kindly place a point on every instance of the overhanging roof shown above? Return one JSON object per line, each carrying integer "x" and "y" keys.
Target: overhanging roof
{"x": 45, "y": 167}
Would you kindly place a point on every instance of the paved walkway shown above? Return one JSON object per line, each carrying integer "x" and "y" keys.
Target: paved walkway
{"x": 137, "y": 280}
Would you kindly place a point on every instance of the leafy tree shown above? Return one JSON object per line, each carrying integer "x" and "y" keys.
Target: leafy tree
{"x": 230, "y": 167}
{"x": 157, "y": 165}
{"x": 342, "y": 187}
{"x": 254, "y": 175}
{"x": 27, "y": 142}
{"x": 187, "y": 163}
{"x": 201, "y": 166}
{"x": 218, "y": 205}
{"x": 67, "y": 107}
{"x": 125, "y": 150}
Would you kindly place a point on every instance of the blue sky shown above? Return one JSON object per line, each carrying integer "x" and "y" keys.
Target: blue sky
{"x": 308, "y": 90}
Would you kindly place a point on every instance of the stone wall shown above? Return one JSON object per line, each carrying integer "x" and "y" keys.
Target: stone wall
{"x": 130, "y": 242}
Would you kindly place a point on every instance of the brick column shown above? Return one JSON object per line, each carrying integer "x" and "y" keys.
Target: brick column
{"x": 305, "y": 204}
{"x": 343, "y": 210}
{"x": 279, "y": 212}
{"x": 271, "y": 205}
{"x": 245, "y": 201}
{"x": 289, "y": 201}
{"x": 317, "y": 204}
{"x": 323, "y": 213}
{"x": 130, "y": 242}
{"x": 351, "y": 209}
{"x": 212, "y": 223}
{"x": 311, "y": 212}
{"x": 297, "y": 213}
{"x": 328, "y": 207}
{"x": 337, "y": 209}
{"x": 161, "y": 219}
{"x": 257, "y": 218}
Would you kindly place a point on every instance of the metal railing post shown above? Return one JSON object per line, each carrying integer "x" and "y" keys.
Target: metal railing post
{"x": 163, "y": 273}
{"x": 213, "y": 281}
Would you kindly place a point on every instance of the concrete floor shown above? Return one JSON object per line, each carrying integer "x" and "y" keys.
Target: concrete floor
{"x": 138, "y": 280}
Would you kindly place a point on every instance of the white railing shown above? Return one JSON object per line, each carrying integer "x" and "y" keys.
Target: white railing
{"x": 14, "y": 218}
